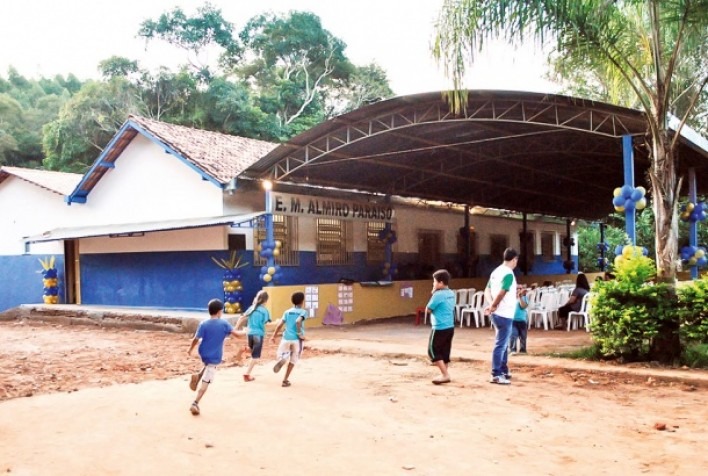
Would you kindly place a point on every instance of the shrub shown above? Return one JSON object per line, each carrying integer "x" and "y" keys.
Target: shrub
{"x": 693, "y": 311}
{"x": 634, "y": 318}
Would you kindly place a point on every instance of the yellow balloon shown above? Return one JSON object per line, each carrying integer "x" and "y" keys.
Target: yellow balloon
{"x": 278, "y": 243}
{"x": 685, "y": 215}
{"x": 276, "y": 252}
{"x": 689, "y": 207}
{"x": 619, "y": 209}
{"x": 627, "y": 251}
{"x": 271, "y": 270}
{"x": 617, "y": 192}
{"x": 229, "y": 289}
{"x": 641, "y": 204}
{"x": 619, "y": 260}
{"x": 692, "y": 261}
{"x": 235, "y": 283}
{"x": 642, "y": 190}
{"x": 267, "y": 278}
{"x": 699, "y": 254}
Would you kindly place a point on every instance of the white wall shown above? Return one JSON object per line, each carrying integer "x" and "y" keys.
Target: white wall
{"x": 197, "y": 239}
{"x": 148, "y": 184}
{"x": 27, "y": 209}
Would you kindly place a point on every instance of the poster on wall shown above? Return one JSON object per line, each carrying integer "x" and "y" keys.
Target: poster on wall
{"x": 407, "y": 290}
{"x": 312, "y": 299}
{"x": 345, "y": 295}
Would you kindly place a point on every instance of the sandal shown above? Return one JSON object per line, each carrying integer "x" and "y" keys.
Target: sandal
{"x": 286, "y": 383}
{"x": 194, "y": 409}
{"x": 441, "y": 380}
{"x": 248, "y": 378}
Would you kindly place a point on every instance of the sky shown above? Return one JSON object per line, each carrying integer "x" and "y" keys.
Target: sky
{"x": 49, "y": 37}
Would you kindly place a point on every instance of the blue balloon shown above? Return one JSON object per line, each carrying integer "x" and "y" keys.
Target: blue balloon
{"x": 701, "y": 261}
{"x": 637, "y": 195}
{"x": 618, "y": 250}
{"x": 627, "y": 191}
{"x": 629, "y": 205}
{"x": 264, "y": 269}
{"x": 618, "y": 201}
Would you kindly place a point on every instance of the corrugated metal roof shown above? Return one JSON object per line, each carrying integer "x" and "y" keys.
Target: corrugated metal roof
{"x": 62, "y": 183}
{"x": 126, "y": 229}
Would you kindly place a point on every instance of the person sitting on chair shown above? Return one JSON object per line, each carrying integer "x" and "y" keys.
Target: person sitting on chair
{"x": 582, "y": 287}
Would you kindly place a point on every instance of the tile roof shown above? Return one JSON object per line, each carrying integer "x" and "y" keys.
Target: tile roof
{"x": 62, "y": 183}
{"x": 221, "y": 156}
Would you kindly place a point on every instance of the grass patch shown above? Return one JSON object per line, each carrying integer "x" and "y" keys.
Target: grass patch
{"x": 584, "y": 353}
{"x": 696, "y": 356}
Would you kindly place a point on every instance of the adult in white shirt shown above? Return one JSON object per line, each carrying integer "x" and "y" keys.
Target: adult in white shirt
{"x": 501, "y": 293}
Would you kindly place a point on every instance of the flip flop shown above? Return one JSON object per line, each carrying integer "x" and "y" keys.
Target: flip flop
{"x": 286, "y": 383}
{"x": 248, "y": 378}
{"x": 440, "y": 381}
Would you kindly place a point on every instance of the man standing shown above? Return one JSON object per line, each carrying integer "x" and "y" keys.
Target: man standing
{"x": 501, "y": 293}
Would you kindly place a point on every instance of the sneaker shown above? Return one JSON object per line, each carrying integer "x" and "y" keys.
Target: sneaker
{"x": 507, "y": 376}
{"x": 194, "y": 408}
{"x": 279, "y": 365}
{"x": 193, "y": 382}
{"x": 500, "y": 380}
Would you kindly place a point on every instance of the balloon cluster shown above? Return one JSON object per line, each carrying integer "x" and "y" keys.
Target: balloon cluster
{"x": 569, "y": 265}
{"x": 389, "y": 269}
{"x": 50, "y": 281}
{"x": 602, "y": 262}
{"x": 270, "y": 249}
{"x": 628, "y": 198}
{"x": 271, "y": 274}
{"x": 603, "y": 247}
{"x": 694, "y": 256}
{"x": 388, "y": 236}
{"x": 628, "y": 252}
{"x": 233, "y": 297}
{"x": 694, "y": 212}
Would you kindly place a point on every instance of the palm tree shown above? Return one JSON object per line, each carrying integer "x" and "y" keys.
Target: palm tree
{"x": 644, "y": 42}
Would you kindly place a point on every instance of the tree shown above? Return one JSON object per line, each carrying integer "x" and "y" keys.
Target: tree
{"x": 195, "y": 34}
{"x": 294, "y": 65}
{"x": 367, "y": 84}
{"x": 611, "y": 34}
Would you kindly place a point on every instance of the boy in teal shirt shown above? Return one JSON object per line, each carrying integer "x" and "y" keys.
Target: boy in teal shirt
{"x": 290, "y": 346}
{"x": 520, "y": 326}
{"x": 442, "y": 317}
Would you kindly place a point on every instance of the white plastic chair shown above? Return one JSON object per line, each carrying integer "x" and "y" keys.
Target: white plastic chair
{"x": 476, "y": 309}
{"x": 576, "y": 319}
{"x": 462, "y": 297}
{"x": 545, "y": 311}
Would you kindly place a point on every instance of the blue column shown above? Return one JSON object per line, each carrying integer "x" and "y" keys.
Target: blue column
{"x": 692, "y": 225}
{"x": 270, "y": 237}
{"x": 628, "y": 159}
{"x": 388, "y": 251}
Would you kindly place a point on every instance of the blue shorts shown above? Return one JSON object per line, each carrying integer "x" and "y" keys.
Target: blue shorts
{"x": 255, "y": 343}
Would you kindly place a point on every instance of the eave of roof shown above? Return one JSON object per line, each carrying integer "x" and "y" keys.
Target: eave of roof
{"x": 61, "y": 183}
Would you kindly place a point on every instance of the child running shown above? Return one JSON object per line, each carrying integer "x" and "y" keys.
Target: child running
{"x": 442, "y": 318}
{"x": 210, "y": 335}
{"x": 291, "y": 345}
{"x": 258, "y": 316}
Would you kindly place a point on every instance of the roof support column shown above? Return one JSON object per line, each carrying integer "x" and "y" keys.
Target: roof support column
{"x": 628, "y": 160}
{"x": 692, "y": 225}
{"x": 466, "y": 237}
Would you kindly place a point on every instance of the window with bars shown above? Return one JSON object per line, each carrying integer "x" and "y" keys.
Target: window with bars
{"x": 334, "y": 242}
{"x": 497, "y": 245}
{"x": 375, "y": 248}
{"x": 285, "y": 231}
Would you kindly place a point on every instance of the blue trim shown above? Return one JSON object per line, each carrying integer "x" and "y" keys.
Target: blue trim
{"x": 108, "y": 165}
{"x": 78, "y": 194}
{"x": 26, "y": 285}
{"x": 171, "y": 151}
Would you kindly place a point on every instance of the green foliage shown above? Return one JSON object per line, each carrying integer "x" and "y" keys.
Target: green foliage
{"x": 589, "y": 238}
{"x": 693, "y": 311}
{"x": 629, "y": 312}
{"x": 696, "y": 356}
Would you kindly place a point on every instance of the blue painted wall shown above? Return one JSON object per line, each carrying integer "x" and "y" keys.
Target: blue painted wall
{"x": 21, "y": 281}
{"x": 188, "y": 280}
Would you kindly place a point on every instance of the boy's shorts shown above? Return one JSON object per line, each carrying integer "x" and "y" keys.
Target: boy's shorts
{"x": 439, "y": 344}
{"x": 209, "y": 373}
{"x": 290, "y": 349}
{"x": 255, "y": 343}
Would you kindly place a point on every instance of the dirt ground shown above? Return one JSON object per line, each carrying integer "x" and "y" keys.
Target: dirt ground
{"x": 110, "y": 401}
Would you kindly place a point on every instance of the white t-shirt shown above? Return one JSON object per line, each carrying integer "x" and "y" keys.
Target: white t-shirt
{"x": 503, "y": 278}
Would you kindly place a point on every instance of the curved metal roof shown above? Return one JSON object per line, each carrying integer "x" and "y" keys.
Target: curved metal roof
{"x": 520, "y": 151}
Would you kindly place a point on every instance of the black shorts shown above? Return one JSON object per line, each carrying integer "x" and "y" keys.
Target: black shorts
{"x": 255, "y": 343}
{"x": 440, "y": 344}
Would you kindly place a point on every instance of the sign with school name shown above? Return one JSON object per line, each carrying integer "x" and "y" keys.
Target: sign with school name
{"x": 324, "y": 207}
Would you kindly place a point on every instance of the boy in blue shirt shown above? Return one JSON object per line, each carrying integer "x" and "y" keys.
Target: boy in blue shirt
{"x": 290, "y": 346}
{"x": 258, "y": 316}
{"x": 441, "y": 307}
{"x": 519, "y": 326}
{"x": 210, "y": 336}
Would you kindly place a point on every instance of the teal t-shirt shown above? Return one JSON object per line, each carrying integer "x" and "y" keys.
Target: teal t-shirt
{"x": 442, "y": 306}
{"x": 521, "y": 314}
{"x": 290, "y": 318}
{"x": 257, "y": 321}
